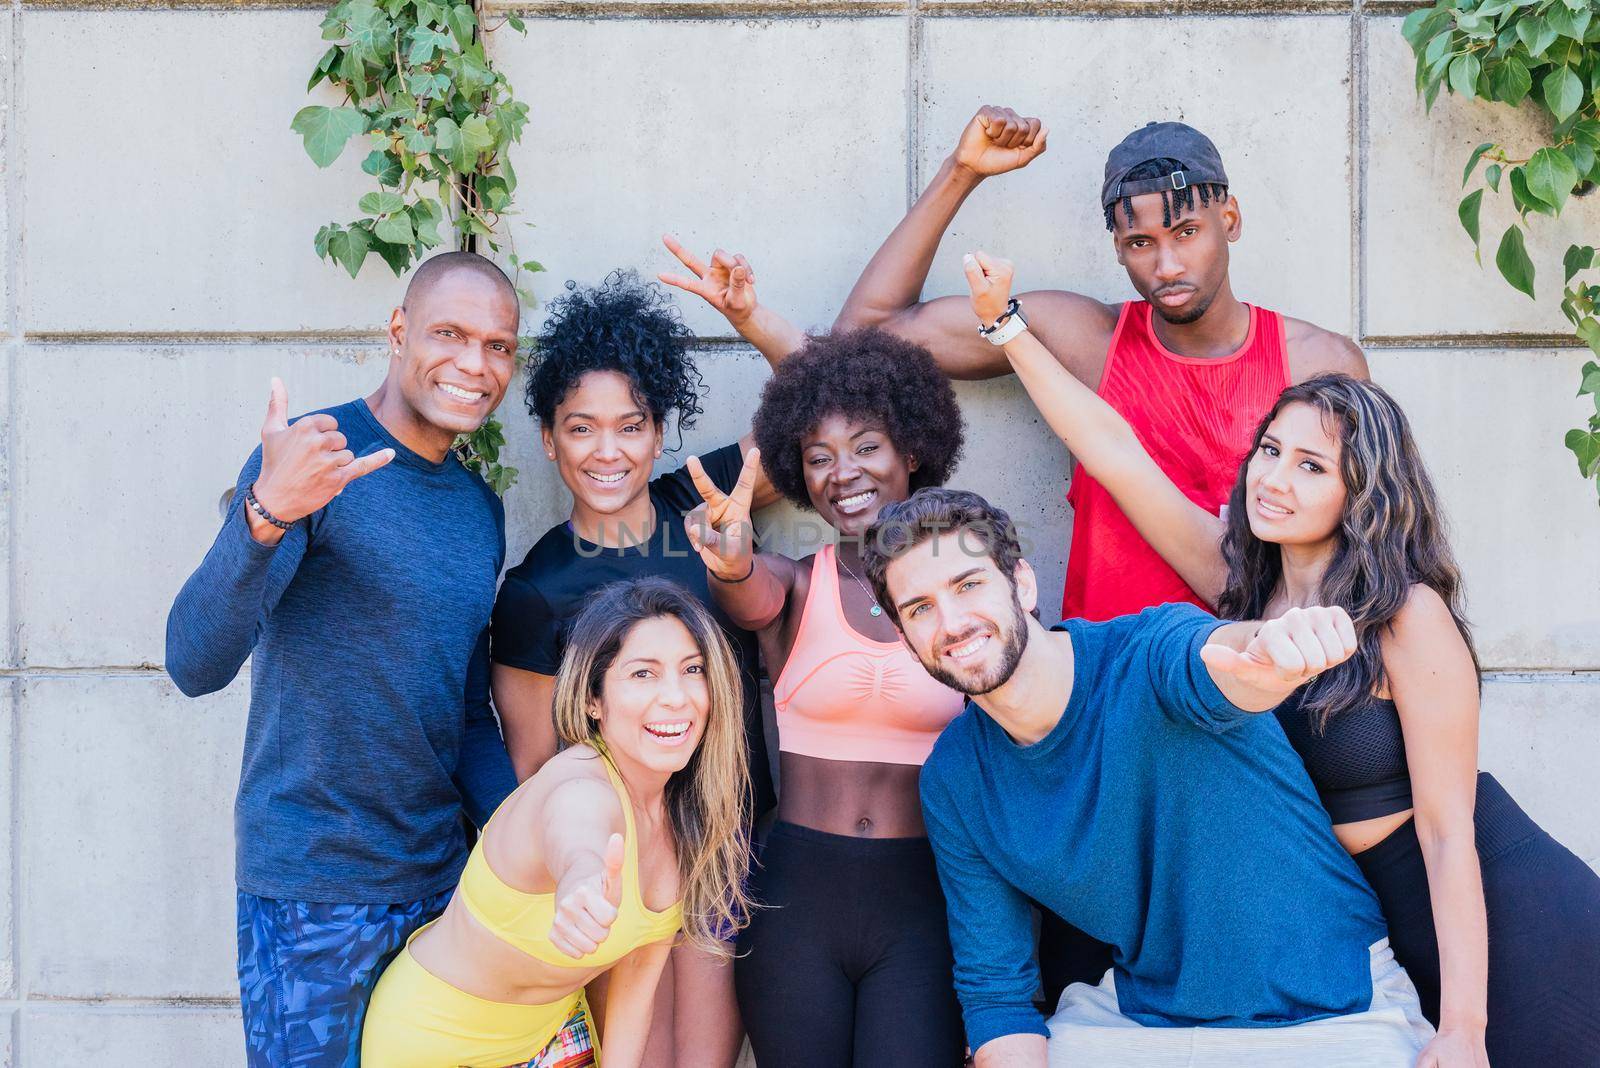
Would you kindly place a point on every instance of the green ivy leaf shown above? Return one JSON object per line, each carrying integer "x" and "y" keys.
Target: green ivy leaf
{"x": 426, "y": 215}
{"x": 1582, "y": 156}
{"x": 1464, "y": 71}
{"x": 475, "y": 139}
{"x": 446, "y": 135}
{"x": 326, "y": 130}
{"x": 1551, "y": 176}
{"x": 1491, "y": 174}
{"x": 1578, "y": 258}
{"x": 1524, "y": 200}
{"x": 493, "y": 194}
{"x": 1472, "y": 161}
{"x": 462, "y": 23}
{"x": 1569, "y": 23}
{"x": 398, "y": 257}
{"x": 1585, "y": 445}
{"x": 382, "y": 203}
{"x": 1589, "y": 331}
{"x": 416, "y": 142}
{"x": 321, "y": 241}
{"x": 1563, "y": 92}
{"x": 349, "y": 248}
{"x": 1437, "y": 48}
{"x": 1467, "y": 211}
{"x": 385, "y": 167}
{"x": 395, "y": 229}
{"x": 1512, "y": 81}
{"x": 1591, "y": 375}
{"x": 1513, "y": 261}
{"x": 516, "y": 24}
{"x": 1536, "y": 35}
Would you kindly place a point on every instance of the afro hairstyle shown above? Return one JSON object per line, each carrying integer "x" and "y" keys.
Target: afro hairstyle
{"x": 862, "y": 374}
{"x": 623, "y": 325}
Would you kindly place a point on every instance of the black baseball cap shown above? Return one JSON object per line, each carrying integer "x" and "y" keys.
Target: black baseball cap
{"x": 1202, "y": 164}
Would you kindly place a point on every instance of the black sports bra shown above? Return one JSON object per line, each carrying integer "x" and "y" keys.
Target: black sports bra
{"x": 1357, "y": 763}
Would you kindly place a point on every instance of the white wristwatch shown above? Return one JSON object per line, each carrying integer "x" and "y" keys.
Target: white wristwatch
{"x": 1008, "y": 326}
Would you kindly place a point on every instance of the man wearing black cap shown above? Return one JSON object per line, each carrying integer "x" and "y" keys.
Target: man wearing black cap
{"x": 1189, "y": 365}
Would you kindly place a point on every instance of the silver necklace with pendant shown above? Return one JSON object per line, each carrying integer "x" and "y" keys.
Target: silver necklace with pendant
{"x": 876, "y": 609}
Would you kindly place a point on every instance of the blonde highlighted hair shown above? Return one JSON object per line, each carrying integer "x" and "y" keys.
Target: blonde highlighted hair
{"x": 708, "y": 802}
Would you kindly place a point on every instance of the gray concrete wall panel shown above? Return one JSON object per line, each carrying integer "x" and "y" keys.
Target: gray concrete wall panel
{"x": 1540, "y": 736}
{"x": 1524, "y": 528}
{"x": 144, "y": 1035}
{"x": 167, "y": 428}
{"x": 783, "y": 139}
{"x": 127, "y": 838}
{"x": 215, "y": 203}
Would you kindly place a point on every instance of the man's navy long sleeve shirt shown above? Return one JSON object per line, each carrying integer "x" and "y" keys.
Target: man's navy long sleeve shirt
{"x": 370, "y": 729}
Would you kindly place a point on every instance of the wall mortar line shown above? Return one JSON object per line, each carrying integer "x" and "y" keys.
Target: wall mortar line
{"x": 16, "y": 284}
{"x": 913, "y": 103}
{"x": 1359, "y": 152}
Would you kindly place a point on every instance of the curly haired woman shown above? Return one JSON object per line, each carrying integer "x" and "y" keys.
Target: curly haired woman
{"x": 847, "y": 960}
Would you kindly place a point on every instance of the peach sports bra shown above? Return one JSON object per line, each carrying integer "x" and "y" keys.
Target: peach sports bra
{"x": 844, "y": 696}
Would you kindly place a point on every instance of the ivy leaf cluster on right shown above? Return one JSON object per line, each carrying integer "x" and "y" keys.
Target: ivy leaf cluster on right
{"x": 1539, "y": 54}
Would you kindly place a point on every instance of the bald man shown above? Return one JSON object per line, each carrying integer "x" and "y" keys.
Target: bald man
{"x": 358, "y": 564}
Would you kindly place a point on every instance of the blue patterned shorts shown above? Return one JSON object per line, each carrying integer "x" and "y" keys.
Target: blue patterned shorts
{"x": 306, "y": 971}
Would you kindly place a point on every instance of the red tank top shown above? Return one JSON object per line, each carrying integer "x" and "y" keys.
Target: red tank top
{"x": 1195, "y": 417}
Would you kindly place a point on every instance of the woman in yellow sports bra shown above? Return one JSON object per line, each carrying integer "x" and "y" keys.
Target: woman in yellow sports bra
{"x": 633, "y": 832}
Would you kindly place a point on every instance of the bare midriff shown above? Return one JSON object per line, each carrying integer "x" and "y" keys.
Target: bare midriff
{"x": 1362, "y": 835}
{"x": 858, "y": 798}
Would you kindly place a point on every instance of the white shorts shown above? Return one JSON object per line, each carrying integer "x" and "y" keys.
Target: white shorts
{"x": 1088, "y": 1031}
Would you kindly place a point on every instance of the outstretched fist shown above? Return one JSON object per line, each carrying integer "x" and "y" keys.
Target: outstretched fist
{"x": 989, "y": 279}
{"x": 1289, "y": 651}
{"x": 999, "y": 140}
{"x": 306, "y": 465}
{"x": 587, "y": 904}
{"x": 720, "y": 529}
{"x": 727, "y": 283}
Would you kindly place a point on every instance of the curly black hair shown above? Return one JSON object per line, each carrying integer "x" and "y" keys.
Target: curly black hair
{"x": 864, "y": 374}
{"x": 623, "y": 325}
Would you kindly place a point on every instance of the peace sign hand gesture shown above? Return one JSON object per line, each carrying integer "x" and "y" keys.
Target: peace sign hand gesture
{"x": 720, "y": 529}
{"x": 727, "y": 283}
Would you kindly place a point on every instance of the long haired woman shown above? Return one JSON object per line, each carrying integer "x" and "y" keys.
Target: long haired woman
{"x": 635, "y": 831}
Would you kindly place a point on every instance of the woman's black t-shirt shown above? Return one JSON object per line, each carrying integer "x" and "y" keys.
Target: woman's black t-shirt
{"x": 541, "y": 596}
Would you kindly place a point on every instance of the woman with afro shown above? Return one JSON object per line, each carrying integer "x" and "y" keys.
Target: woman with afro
{"x": 611, "y": 368}
{"x": 847, "y": 958}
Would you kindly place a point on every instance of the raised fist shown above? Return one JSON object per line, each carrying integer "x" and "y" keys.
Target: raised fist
{"x": 1289, "y": 651}
{"x": 306, "y": 465}
{"x": 999, "y": 140}
{"x": 989, "y": 279}
{"x": 728, "y": 283}
{"x": 720, "y": 529}
{"x": 587, "y": 904}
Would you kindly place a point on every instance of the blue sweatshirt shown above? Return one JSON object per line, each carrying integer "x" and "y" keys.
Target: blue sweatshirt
{"x": 1158, "y": 818}
{"x": 370, "y": 729}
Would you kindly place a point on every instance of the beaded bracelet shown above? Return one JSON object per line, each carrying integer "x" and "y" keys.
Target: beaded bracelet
{"x": 260, "y": 510}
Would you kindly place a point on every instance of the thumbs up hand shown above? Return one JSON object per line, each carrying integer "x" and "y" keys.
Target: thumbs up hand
{"x": 587, "y": 901}
{"x": 303, "y": 466}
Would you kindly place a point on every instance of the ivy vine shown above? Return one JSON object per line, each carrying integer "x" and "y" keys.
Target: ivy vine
{"x": 438, "y": 121}
{"x": 1541, "y": 54}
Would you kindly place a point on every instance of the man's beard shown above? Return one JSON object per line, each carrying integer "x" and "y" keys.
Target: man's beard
{"x": 1185, "y": 316}
{"x": 1014, "y": 640}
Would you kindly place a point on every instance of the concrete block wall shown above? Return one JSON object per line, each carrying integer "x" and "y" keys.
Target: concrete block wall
{"x": 157, "y": 270}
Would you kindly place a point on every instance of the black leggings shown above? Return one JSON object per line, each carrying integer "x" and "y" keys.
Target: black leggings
{"x": 1543, "y": 906}
{"x": 848, "y": 961}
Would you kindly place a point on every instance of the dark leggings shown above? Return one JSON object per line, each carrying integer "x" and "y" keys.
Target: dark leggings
{"x": 1543, "y": 906}
{"x": 848, "y": 960}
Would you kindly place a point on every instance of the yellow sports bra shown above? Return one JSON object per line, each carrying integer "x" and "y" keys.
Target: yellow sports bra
{"x": 523, "y": 920}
